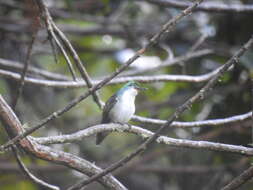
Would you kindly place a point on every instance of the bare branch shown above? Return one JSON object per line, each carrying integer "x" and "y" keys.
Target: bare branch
{"x": 72, "y": 51}
{"x": 200, "y": 40}
{"x": 34, "y": 70}
{"x": 252, "y": 110}
{"x": 24, "y": 71}
{"x": 30, "y": 175}
{"x": 52, "y": 36}
{"x": 142, "y": 79}
{"x": 240, "y": 180}
{"x": 144, "y": 133}
{"x": 64, "y": 53}
{"x": 210, "y": 122}
{"x": 79, "y": 65}
{"x": 209, "y": 6}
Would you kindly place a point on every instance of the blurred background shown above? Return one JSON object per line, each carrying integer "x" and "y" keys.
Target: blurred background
{"x": 105, "y": 34}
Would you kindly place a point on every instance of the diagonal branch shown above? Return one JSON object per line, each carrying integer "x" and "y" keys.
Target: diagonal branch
{"x": 72, "y": 51}
{"x": 240, "y": 180}
{"x": 251, "y": 109}
{"x": 209, "y": 6}
{"x": 30, "y": 175}
{"x": 52, "y": 36}
{"x": 79, "y": 65}
{"x": 24, "y": 71}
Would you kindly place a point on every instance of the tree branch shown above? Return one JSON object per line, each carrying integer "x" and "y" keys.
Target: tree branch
{"x": 24, "y": 71}
{"x": 210, "y": 122}
{"x": 144, "y": 133}
{"x": 142, "y": 79}
{"x": 72, "y": 51}
{"x": 52, "y": 36}
{"x": 208, "y": 7}
{"x": 33, "y": 70}
{"x": 30, "y": 175}
{"x": 240, "y": 180}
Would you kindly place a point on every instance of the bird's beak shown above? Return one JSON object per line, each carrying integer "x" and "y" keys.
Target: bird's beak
{"x": 141, "y": 88}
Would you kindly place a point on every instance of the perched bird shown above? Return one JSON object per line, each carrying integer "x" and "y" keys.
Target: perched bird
{"x": 120, "y": 107}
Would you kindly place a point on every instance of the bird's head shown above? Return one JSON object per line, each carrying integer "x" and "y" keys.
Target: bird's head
{"x": 132, "y": 88}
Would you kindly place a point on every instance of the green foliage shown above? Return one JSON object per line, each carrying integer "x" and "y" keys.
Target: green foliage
{"x": 163, "y": 92}
{"x": 20, "y": 184}
{"x": 3, "y": 87}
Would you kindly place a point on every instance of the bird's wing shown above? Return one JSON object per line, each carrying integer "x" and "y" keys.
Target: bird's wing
{"x": 108, "y": 106}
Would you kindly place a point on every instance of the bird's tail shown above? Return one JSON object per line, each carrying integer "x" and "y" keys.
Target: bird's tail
{"x": 101, "y": 137}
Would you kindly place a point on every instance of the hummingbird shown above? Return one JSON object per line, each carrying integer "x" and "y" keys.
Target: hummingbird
{"x": 120, "y": 107}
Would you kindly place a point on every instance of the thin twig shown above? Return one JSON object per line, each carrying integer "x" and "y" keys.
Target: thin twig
{"x": 252, "y": 109}
{"x": 209, "y": 6}
{"x": 64, "y": 53}
{"x": 240, "y": 180}
{"x": 200, "y": 40}
{"x": 179, "y": 111}
{"x": 24, "y": 71}
{"x": 54, "y": 50}
{"x": 164, "y": 30}
{"x": 51, "y": 35}
{"x": 198, "y": 43}
{"x": 14, "y": 65}
{"x": 79, "y": 65}
{"x": 210, "y": 122}
{"x": 72, "y": 51}
{"x": 29, "y": 174}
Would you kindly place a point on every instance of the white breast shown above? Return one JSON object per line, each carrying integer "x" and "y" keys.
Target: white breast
{"x": 124, "y": 109}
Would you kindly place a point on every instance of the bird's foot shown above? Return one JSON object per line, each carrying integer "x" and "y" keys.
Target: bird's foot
{"x": 129, "y": 125}
{"x": 120, "y": 123}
